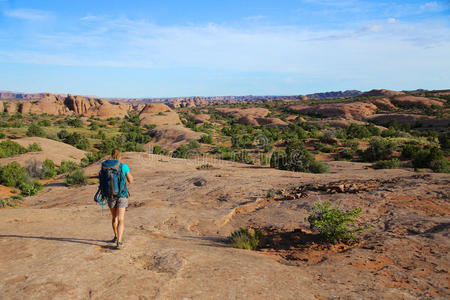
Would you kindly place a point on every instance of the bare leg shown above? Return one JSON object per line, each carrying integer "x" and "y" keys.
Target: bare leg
{"x": 115, "y": 220}
{"x": 121, "y": 218}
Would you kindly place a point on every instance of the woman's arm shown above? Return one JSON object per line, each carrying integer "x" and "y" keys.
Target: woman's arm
{"x": 129, "y": 177}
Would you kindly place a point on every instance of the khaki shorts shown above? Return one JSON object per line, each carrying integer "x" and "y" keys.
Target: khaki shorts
{"x": 118, "y": 203}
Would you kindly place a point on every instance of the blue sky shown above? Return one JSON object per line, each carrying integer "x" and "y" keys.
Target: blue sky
{"x": 187, "y": 48}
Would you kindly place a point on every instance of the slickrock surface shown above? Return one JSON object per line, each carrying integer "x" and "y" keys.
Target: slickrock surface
{"x": 55, "y": 246}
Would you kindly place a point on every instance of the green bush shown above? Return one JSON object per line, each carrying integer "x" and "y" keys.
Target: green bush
{"x": 379, "y": 149}
{"x": 77, "y": 123}
{"x": 30, "y": 187}
{"x": 157, "y": 149}
{"x": 205, "y": 166}
{"x": 12, "y": 174}
{"x": 10, "y": 148}
{"x": 332, "y": 223}
{"x": 45, "y": 123}
{"x": 423, "y": 158}
{"x": 206, "y": 139}
{"x": 76, "y": 177}
{"x": 35, "y": 130}
{"x": 34, "y": 147}
{"x": 245, "y": 239}
{"x": 440, "y": 165}
{"x": 67, "y": 166}
{"x": 48, "y": 169}
{"x": 345, "y": 154}
{"x": 387, "y": 164}
{"x": 409, "y": 150}
{"x": 296, "y": 158}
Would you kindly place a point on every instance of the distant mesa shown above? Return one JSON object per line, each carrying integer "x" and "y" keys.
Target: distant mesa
{"x": 382, "y": 92}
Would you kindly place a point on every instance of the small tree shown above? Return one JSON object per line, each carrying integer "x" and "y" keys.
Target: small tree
{"x": 35, "y": 130}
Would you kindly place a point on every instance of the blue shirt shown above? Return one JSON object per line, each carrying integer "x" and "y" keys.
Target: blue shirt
{"x": 125, "y": 169}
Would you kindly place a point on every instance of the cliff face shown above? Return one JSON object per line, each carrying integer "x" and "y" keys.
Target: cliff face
{"x": 61, "y": 105}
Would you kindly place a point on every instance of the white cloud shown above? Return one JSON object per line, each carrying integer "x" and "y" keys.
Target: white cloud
{"x": 27, "y": 14}
{"x": 392, "y": 20}
{"x": 121, "y": 42}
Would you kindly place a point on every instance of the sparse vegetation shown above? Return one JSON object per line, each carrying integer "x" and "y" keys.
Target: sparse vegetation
{"x": 245, "y": 238}
{"x": 76, "y": 177}
{"x": 387, "y": 164}
{"x": 332, "y": 223}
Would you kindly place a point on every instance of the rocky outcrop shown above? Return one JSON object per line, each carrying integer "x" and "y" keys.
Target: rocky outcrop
{"x": 159, "y": 114}
{"x": 338, "y": 94}
{"x": 78, "y": 104}
{"x": 413, "y": 120}
{"x": 170, "y": 137}
{"x": 384, "y": 103}
{"x": 408, "y": 101}
{"x": 201, "y": 118}
{"x": 271, "y": 122}
{"x": 382, "y": 92}
{"x": 50, "y": 104}
{"x": 255, "y": 112}
{"x": 355, "y": 110}
{"x": 104, "y": 109}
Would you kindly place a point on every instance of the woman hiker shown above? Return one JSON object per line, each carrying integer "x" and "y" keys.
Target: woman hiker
{"x": 118, "y": 204}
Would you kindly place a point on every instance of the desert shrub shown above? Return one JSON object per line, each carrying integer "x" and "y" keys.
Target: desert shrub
{"x": 296, "y": 158}
{"x": 157, "y": 149}
{"x": 34, "y": 168}
{"x": 67, "y": 166}
{"x": 77, "y": 140}
{"x": 242, "y": 141}
{"x": 409, "y": 150}
{"x": 243, "y": 156}
{"x": 8, "y": 203}
{"x": 45, "y": 123}
{"x": 9, "y": 148}
{"x": 345, "y": 154}
{"x": 2, "y": 135}
{"x": 352, "y": 144}
{"x": 35, "y": 130}
{"x": 133, "y": 117}
{"x": 359, "y": 131}
{"x": 264, "y": 159}
{"x": 63, "y": 134}
{"x": 379, "y": 149}
{"x": 34, "y": 147}
{"x": 30, "y": 187}
{"x": 318, "y": 167}
{"x": 101, "y": 135}
{"x": 440, "y": 165}
{"x": 76, "y": 177}
{"x": 392, "y": 132}
{"x": 12, "y": 174}
{"x": 205, "y": 166}
{"x": 326, "y": 148}
{"x": 423, "y": 158}
{"x": 444, "y": 140}
{"x": 332, "y": 223}
{"x": 387, "y": 164}
{"x": 245, "y": 239}
{"x": 277, "y": 160}
{"x": 93, "y": 126}
{"x": 206, "y": 139}
{"x": 48, "y": 169}
{"x": 76, "y": 122}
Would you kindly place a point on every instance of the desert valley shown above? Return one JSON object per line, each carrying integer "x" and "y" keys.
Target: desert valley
{"x": 208, "y": 170}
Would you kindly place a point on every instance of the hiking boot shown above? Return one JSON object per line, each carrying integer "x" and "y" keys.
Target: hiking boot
{"x": 119, "y": 245}
{"x": 114, "y": 240}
